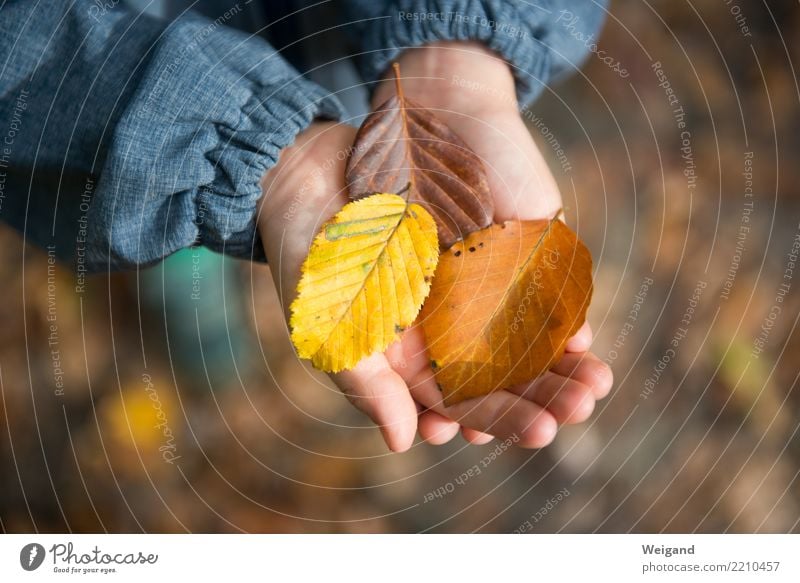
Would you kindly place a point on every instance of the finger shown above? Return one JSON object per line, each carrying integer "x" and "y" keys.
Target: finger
{"x": 505, "y": 416}
{"x": 586, "y": 368}
{"x": 568, "y": 400}
{"x": 410, "y": 360}
{"x": 435, "y": 429}
{"x": 475, "y": 437}
{"x": 396, "y": 355}
{"x": 409, "y": 357}
{"x": 582, "y": 339}
{"x": 528, "y": 422}
{"x": 374, "y": 388}
{"x": 501, "y": 414}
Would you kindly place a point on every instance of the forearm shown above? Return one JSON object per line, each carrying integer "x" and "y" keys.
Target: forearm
{"x": 141, "y": 137}
{"x": 60, "y": 64}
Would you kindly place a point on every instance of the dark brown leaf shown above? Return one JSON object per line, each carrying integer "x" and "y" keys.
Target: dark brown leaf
{"x": 405, "y": 146}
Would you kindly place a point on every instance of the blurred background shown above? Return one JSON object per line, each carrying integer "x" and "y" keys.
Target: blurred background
{"x": 170, "y": 400}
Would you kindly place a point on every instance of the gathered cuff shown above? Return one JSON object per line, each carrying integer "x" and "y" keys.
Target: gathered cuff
{"x": 212, "y": 111}
{"x": 498, "y": 24}
{"x": 225, "y": 210}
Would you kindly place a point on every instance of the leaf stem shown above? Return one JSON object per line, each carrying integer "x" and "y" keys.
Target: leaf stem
{"x": 405, "y": 189}
{"x": 398, "y": 86}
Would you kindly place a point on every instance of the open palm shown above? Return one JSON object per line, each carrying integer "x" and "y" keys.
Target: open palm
{"x": 396, "y": 389}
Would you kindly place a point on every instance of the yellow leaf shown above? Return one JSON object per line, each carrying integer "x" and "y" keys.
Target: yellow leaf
{"x": 364, "y": 281}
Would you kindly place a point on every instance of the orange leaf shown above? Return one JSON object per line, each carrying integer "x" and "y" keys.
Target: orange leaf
{"x": 503, "y": 304}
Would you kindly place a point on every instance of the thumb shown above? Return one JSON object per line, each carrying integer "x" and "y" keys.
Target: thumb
{"x": 379, "y": 392}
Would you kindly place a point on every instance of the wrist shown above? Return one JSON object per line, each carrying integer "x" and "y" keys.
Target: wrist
{"x": 308, "y": 172}
{"x": 461, "y": 76}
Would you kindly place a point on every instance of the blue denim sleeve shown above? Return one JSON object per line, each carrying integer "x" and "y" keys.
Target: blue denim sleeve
{"x": 540, "y": 39}
{"x": 132, "y": 137}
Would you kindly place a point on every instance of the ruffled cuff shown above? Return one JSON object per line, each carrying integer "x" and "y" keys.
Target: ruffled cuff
{"x": 535, "y": 38}
{"x": 212, "y": 110}
{"x": 225, "y": 210}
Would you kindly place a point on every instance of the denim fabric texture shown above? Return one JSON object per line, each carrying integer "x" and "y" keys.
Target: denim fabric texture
{"x": 126, "y": 137}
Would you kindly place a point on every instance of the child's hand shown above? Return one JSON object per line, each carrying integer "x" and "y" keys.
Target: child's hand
{"x": 396, "y": 389}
